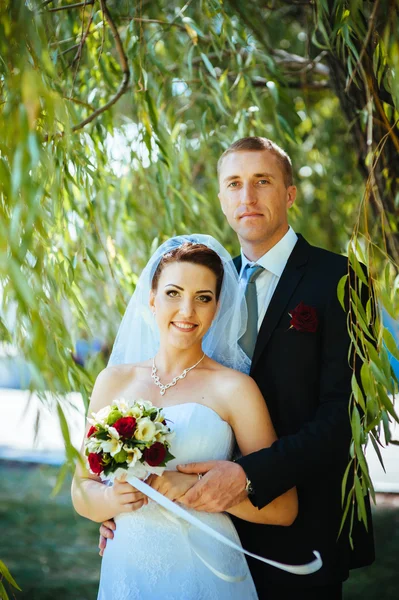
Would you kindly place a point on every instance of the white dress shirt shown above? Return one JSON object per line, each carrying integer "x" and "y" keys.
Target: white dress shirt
{"x": 273, "y": 262}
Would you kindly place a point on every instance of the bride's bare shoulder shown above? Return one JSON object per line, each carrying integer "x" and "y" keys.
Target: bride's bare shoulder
{"x": 118, "y": 372}
{"x": 232, "y": 380}
{"x": 113, "y": 380}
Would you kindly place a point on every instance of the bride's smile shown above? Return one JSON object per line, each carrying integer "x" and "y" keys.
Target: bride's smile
{"x": 184, "y": 304}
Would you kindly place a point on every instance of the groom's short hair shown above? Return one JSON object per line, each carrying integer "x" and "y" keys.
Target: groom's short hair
{"x": 258, "y": 144}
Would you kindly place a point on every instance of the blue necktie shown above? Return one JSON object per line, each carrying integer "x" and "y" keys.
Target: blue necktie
{"x": 248, "y": 340}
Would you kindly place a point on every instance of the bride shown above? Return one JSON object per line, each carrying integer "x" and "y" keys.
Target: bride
{"x": 178, "y": 347}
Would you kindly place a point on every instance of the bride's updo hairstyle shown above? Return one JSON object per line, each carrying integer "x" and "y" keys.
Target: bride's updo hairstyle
{"x": 197, "y": 254}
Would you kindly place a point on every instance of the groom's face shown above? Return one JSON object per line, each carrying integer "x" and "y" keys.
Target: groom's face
{"x": 254, "y": 197}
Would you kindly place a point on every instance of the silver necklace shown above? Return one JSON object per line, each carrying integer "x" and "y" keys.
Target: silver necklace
{"x": 162, "y": 387}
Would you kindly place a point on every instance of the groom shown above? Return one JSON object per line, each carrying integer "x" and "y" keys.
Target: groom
{"x": 298, "y": 341}
{"x": 297, "y": 336}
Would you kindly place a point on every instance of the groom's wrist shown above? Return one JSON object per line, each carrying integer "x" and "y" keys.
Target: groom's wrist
{"x": 249, "y": 487}
{"x": 248, "y": 484}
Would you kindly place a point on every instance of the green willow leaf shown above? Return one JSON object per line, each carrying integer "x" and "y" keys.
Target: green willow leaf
{"x": 62, "y": 473}
{"x": 360, "y": 502}
{"x": 7, "y": 575}
{"x": 387, "y": 402}
{"x": 387, "y": 431}
{"x": 390, "y": 343}
{"x": 3, "y": 592}
{"x": 357, "y": 392}
{"x": 208, "y": 65}
{"x": 357, "y": 268}
{"x": 356, "y": 426}
{"x": 344, "y": 481}
{"x": 341, "y": 291}
{"x": 377, "y": 451}
{"x": 349, "y": 503}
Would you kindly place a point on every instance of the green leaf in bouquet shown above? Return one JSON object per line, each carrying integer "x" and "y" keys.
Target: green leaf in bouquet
{"x": 111, "y": 467}
{"x": 102, "y": 435}
{"x": 169, "y": 456}
{"x": 113, "y": 416}
{"x": 121, "y": 456}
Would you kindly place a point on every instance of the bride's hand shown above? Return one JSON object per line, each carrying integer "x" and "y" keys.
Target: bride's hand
{"x": 172, "y": 484}
{"x": 123, "y": 497}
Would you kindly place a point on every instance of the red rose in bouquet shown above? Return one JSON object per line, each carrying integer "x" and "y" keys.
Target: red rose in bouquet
{"x": 96, "y": 462}
{"x": 155, "y": 454}
{"x": 304, "y": 318}
{"x": 125, "y": 426}
{"x": 91, "y": 431}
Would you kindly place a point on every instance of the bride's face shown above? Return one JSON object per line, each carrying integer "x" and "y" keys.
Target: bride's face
{"x": 184, "y": 303}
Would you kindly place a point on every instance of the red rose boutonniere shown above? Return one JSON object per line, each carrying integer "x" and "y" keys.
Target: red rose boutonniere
{"x": 304, "y": 318}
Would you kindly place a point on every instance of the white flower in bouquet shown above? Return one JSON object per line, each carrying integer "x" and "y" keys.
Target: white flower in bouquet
{"x": 94, "y": 445}
{"x": 145, "y": 430}
{"x": 101, "y": 416}
{"x": 136, "y": 412}
{"x": 146, "y": 405}
{"x": 133, "y": 455}
{"x": 114, "y": 444}
{"x": 123, "y": 405}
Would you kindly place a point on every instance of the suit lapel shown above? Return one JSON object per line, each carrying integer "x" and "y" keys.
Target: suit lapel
{"x": 290, "y": 278}
{"x": 237, "y": 263}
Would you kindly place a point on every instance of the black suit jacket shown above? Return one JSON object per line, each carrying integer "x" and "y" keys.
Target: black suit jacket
{"x": 305, "y": 379}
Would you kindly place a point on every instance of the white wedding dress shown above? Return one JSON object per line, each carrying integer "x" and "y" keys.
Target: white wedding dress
{"x": 154, "y": 556}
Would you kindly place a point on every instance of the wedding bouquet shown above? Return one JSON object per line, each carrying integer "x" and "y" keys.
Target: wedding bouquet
{"x": 128, "y": 437}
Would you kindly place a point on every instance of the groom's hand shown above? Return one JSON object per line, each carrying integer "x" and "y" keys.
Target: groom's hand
{"x": 221, "y": 487}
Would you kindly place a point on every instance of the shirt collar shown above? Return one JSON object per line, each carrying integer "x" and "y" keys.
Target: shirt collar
{"x": 276, "y": 258}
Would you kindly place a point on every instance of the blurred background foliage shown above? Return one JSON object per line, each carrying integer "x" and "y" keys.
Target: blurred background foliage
{"x": 113, "y": 114}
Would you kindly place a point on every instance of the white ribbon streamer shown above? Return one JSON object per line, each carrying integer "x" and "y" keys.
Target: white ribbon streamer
{"x": 224, "y": 576}
{"x": 180, "y": 512}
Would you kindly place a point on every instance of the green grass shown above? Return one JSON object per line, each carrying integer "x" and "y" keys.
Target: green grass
{"x": 49, "y": 549}
{"x": 52, "y": 552}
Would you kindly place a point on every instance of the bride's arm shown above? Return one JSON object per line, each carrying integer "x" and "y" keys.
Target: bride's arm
{"x": 90, "y": 497}
{"x": 254, "y": 430}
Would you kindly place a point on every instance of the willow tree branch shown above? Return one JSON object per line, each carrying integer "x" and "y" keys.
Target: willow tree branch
{"x": 80, "y": 102}
{"x": 365, "y": 44}
{"x": 69, "y": 6}
{"x": 308, "y": 85}
{"x": 123, "y": 87}
{"x": 158, "y": 21}
{"x": 69, "y": 49}
{"x": 82, "y": 42}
